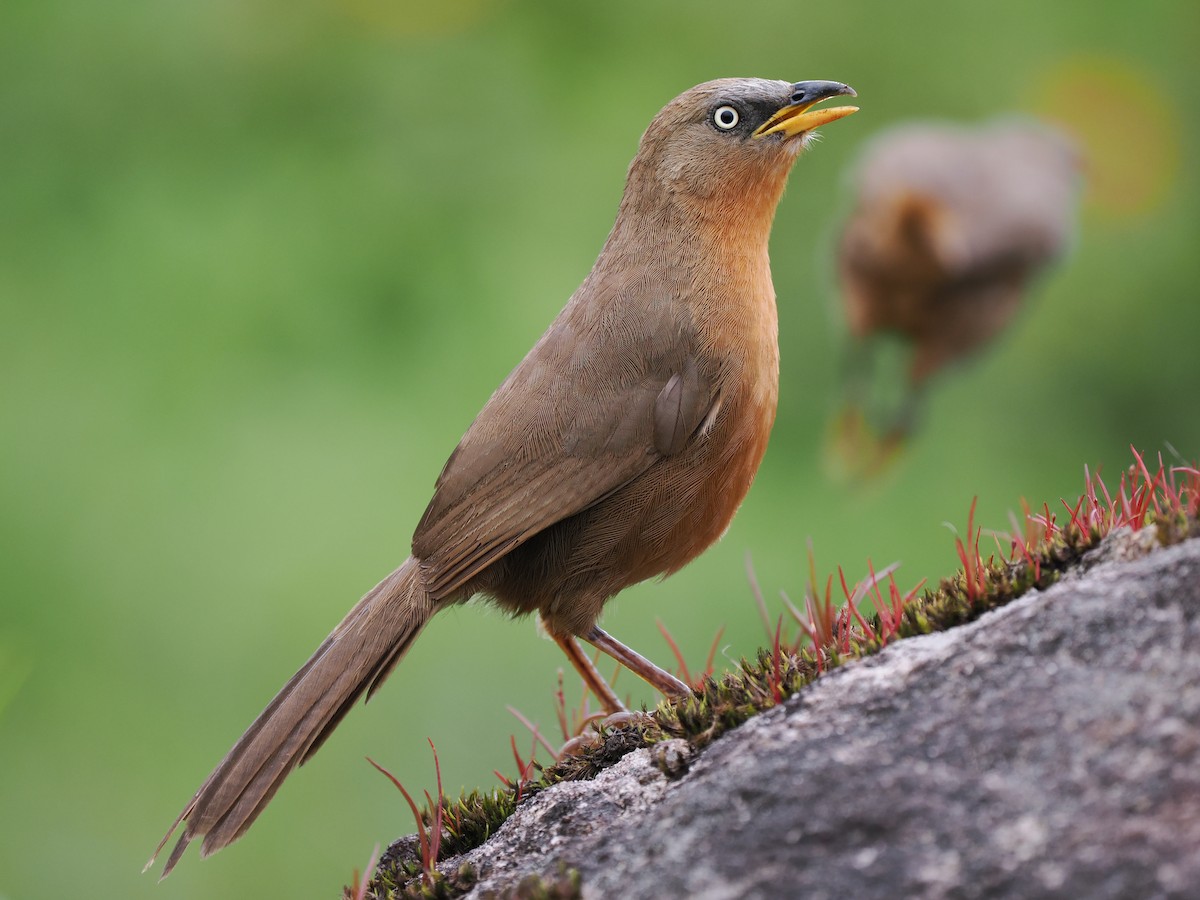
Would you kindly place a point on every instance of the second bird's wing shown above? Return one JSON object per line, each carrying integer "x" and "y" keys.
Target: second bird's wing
{"x": 605, "y": 393}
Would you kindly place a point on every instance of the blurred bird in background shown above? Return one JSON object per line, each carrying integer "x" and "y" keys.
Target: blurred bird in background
{"x": 948, "y": 228}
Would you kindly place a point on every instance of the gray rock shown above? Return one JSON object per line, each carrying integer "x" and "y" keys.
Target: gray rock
{"x": 1049, "y": 749}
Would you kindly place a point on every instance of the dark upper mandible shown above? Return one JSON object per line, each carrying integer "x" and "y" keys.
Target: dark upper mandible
{"x": 809, "y": 92}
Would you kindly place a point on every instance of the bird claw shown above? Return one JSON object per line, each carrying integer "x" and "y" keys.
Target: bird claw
{"x": 593, "y": 736}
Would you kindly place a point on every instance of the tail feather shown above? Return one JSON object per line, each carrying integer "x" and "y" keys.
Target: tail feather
{"x": 354, "y": 659}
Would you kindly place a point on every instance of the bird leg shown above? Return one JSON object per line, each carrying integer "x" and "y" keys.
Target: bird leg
{"x": 664, "y": 681}
{"x": 589, "y": 673}
{"x": 904, "y": 422}
{"x": 858, "y": 367}
{"x": 617, "y": 716}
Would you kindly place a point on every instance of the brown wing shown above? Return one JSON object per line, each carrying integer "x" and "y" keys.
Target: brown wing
{"x": 607, "y": 391}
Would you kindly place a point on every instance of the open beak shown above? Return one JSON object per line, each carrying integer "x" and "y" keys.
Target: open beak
{"x": 796, "y": 118}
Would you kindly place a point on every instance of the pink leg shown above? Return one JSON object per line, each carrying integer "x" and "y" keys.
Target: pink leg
{"x": 591, "y": 677}
{"x": 664, "y": 681}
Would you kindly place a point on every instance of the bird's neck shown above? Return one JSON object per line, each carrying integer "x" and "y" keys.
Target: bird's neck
{"x": 721, "y": 239}
{"x": 711, "y": 260}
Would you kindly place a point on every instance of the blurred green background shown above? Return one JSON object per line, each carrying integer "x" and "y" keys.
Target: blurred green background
{"x": 262, "y": 262}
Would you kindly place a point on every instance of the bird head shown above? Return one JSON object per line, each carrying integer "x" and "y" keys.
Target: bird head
{"x": 732, "y": 139}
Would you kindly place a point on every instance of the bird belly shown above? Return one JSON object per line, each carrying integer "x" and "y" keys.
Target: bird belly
{"x": 654, "y": 525}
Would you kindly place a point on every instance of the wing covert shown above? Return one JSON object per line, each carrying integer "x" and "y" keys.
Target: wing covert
{"x": 593, "y": 405}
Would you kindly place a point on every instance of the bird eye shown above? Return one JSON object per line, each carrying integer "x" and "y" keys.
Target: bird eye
{"x": 726, "y": 117}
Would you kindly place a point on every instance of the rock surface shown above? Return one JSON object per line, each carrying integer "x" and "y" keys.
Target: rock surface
{"x": 1049, "y": 749}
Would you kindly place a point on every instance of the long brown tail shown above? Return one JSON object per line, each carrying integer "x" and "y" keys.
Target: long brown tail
{"x": 354, "y": 659}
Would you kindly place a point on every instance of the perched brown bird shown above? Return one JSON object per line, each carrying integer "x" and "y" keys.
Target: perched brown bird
{"x": 617, "y": 450}
{"x": 949, "y": 226}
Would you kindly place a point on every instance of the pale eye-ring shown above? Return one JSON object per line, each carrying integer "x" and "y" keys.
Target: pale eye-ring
{"x": 726, "y": 117}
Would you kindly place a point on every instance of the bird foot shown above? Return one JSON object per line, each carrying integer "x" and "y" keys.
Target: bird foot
{"x": 592, "y": 735}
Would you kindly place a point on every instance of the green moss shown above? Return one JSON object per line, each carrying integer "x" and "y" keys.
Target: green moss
{"x": 399, "y": 877}
{"x": 474, "y": 817}
{"x": 566, "y": 884}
